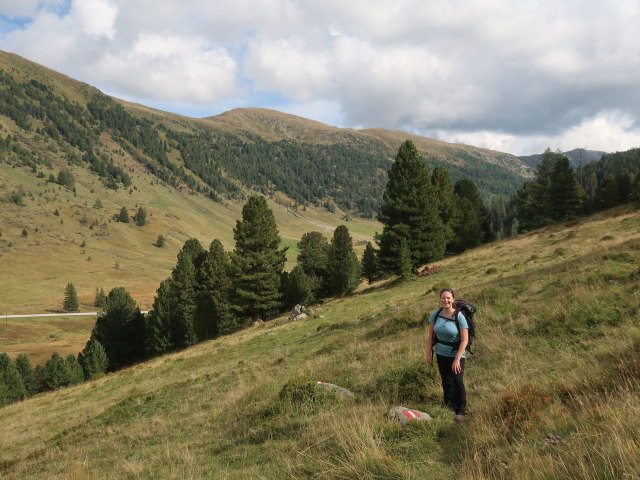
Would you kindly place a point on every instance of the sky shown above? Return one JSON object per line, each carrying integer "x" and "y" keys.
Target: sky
{"x": 512, "y": 76}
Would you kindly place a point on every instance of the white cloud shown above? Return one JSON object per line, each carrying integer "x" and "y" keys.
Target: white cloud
{"x": 510, "y": 75}
{"x": 94, "y": 17}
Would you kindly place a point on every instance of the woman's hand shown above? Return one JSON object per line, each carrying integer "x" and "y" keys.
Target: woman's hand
{"x": 455, "y": 366}
{"x": 430, "y": 358}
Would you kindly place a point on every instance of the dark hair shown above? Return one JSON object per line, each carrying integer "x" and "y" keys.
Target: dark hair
{"x": 447, "y": 290}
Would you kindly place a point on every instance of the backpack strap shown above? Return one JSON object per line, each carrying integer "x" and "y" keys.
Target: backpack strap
{"x": 435, "y": 338}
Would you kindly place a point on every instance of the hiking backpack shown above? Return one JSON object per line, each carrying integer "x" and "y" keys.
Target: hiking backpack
{"x": 468, "y": 309}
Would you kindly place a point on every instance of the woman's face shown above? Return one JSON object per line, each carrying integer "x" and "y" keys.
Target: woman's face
{"x": 446, "y": 300}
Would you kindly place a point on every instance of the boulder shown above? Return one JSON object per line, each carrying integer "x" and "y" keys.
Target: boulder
{"x": 339, "y": 391}
{"x": 404, "y": 415}
{"x": 297, "y": 313}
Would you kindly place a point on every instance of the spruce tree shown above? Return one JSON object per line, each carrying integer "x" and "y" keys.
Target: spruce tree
{"x": 410, "y": 210}
{"x": 140, "y": 217}
{"x": 257, "y": 261}
{"x": 313, "y": 250}
{"x": 369, "y": 263}
{"x": 93, "y": 360}
{"x": 100, "y": 298}
{"x": 343, "y": 266}
{"x": 76, "y": 374}
{"x": 56, "y": 372}
{"x": 26, "y": 372}
{"x": 194, "y": 249}
{"x": 123, "y": 216}
{"x": 298, "y": 288}
{"x": 120, "y": 329}
{"x": 70, "y": 302}
{"x": 566, "y": 197}
{"x": 183, "y": 279}
{"x": 12, "y": 386}
{"x": 213, "y": 314}
{"x": 471, "y": 222}
{"x": 443, "y": 190}
{"x": 161, "y": 318}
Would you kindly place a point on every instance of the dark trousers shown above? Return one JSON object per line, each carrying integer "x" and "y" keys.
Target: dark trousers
{"x": 455, "y": 396}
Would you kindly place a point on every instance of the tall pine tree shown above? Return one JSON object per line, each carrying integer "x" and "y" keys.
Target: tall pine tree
{"x": 159, "y": 339}
{"x": 343, "y": 266}
{"x": 213, "y": 314}
{"x": 369, "y": 263}
{"x": 120, "y": 329}
{"x": 313, "y": 249}
{"x": 410, "y": 210}
{"x": 183, "y": 279}
{"x": 471, "y": 223}
{"x": 257, "y": 261}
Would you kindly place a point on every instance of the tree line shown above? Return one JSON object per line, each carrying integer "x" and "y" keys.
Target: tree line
{"x": 560, "y": 193}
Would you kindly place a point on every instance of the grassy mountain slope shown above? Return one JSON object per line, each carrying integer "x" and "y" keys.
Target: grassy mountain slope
{"x": 58, "y": 221}
{"x": 488, "y": 168}
{"x": 552, "y": 388}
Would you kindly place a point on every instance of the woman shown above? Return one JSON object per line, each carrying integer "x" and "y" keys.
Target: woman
{"x": 449, "y": 342}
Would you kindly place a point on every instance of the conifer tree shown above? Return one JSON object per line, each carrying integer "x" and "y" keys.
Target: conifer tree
{"x": 70, "y": 303}
{"x": 213, "y": 314}
{"x": 12, "y": 386}
{"x": 610, "y": 196}
{"x": 566, "y": 197}
{"x": 120, "y": 329}
{"x": 56, "y": 372}
{"x": 343, "y": 266}
{"x": 471, "y": 223}
{"x": 195, "y": 250}
{"x": 123, "y": 216}
{"x": 410, "y": 210}
{"x": 635, "y": 191}
{"x": 404, "y": 259}
{"x": 76, "y": 374}
{"x": 26, "y": 372}
{"x": 257, "y": 261}
{"x": 183, "y": 279}
{"x": 161, "y": 318}
{"x": 140, "y": 217}
{"x": 369, "y": 263}
{"x": 100, "y": 298}
{"x": 298, "y": 288}
{"x": 443, "y": 190}
{"x": 93, "y": 360}
{"x": 313, "y": 249}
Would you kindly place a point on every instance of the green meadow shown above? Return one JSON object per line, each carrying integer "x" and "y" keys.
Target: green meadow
{"x": 552, "y": 387}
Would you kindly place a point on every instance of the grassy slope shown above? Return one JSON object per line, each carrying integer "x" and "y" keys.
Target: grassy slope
{"x": 557, "y": 353}
{"x": 37, "y": 268}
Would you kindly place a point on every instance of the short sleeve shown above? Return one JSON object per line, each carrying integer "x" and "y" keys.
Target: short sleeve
{"x": 462, "y": 322}
{"x": 432, "y": 318}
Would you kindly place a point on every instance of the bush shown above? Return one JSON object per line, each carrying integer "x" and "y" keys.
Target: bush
{"x": 519, "y": 409}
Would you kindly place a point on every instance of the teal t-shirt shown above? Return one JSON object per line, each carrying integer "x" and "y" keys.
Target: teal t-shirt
{"x": 445, "y": 329}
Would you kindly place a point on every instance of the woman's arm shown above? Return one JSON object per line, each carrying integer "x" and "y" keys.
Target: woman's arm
{"x": 464, "y": 339}
{"x": 430, "y": 345}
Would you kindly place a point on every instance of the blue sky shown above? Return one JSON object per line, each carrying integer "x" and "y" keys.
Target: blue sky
{"x": 512, "y": 76}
